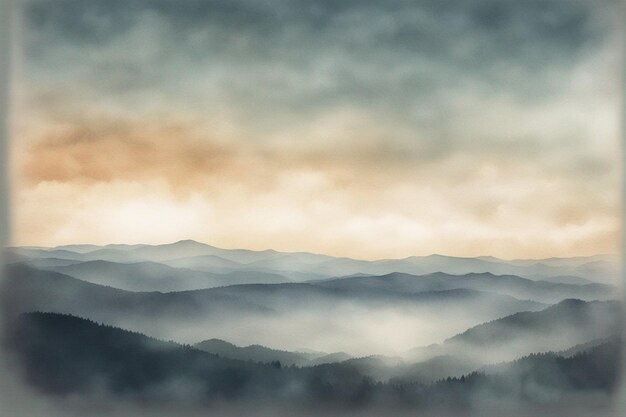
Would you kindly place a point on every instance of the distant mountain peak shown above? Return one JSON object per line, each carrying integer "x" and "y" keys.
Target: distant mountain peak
{"x": 571, "y": 303}
{"x": 189, "y": 242}
{"x": 214, "y": 343}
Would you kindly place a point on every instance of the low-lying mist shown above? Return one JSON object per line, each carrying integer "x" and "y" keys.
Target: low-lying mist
{"x": 457, "y": 345}
{"x": 352, "y": 328}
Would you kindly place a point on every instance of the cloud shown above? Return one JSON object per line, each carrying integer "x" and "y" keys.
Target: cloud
{"x": 315, "y": 125}
{"x": 104, "y": 150}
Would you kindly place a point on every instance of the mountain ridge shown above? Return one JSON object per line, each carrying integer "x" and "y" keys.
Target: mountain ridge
{"x": 599, "y": 268}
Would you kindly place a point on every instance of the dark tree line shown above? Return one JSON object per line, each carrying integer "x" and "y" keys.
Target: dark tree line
{"x": 64, "y": 354}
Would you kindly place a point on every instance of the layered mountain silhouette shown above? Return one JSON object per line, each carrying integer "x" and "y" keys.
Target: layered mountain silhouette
{"x": 28, "y": 289}
{"x": 152, "y": 276}
{"x": 302, "y": 266}
{"x": 507, "y": 332}
{"x": 521, "y": 288}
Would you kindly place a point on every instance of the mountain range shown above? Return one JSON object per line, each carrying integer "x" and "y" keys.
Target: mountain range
{"x": 305, "y": 330}
{"x": 301, "y": 266}
{"x": 224, "y": 309}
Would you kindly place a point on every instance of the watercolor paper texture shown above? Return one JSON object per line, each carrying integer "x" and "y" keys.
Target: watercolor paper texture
{"x": 304, "y": 207}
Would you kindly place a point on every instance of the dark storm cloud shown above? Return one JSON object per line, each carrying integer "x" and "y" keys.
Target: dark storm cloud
{"x": 281, "y": 63}
{"x": 503, "y": 42}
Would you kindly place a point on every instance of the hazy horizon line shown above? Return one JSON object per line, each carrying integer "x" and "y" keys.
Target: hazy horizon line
{"x": 310, "y": 252}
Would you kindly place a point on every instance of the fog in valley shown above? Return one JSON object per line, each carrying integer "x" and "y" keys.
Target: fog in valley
{"x": 363, "y": 340}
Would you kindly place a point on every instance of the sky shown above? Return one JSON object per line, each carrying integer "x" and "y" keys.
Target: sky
{"x": 356, "y": 128}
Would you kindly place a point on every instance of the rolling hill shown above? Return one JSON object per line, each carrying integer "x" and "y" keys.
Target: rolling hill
{"x": 258, "y": 353}
{"x": 222, "y": 312}
{"x": 152, "y": 276}
{"x": 558, "y": 327}
{"x": 514, "y": 286}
